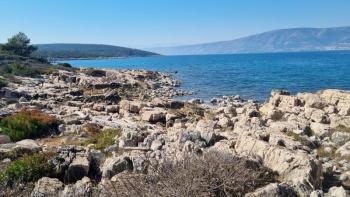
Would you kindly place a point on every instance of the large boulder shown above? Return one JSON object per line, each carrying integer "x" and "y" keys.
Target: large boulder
{"x": 82, "y": 188}
{"x": 131, "y": 138}
{"x": 13, "y": 150}
{"x": 294, "y": 167}
{"x": 344, "y": 151}
{"x": 319, "y": 129}
{"x": 4, "y": 139}
{"x": 112, "y": 108}
{"x": 312, "y": 100}
{"x": 32, "y": 144}
{"x": 337, "y": 192}
{"x": 339, "y": 98}
{"x": 115, "y": 165}
{"x": 154, "y": 115}
{"x": 77, "y": 169}
{"x": 47, "y": 187}
{"x": 340, "y": 138}
{"x": 273, "y": 190}
{"x": 131, "y": 106}
{"x": 317, "y": 115}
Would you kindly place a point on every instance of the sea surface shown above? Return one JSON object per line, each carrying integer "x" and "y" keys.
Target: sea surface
{"x": 252, "y": 76}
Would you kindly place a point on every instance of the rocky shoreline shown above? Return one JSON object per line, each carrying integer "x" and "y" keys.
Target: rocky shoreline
{"x": 304, "y": 139}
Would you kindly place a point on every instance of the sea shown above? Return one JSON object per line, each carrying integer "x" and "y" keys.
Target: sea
{"x": 252, "y": 76}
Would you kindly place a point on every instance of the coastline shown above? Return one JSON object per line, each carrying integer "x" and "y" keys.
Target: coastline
{"x": 302, "y": 137}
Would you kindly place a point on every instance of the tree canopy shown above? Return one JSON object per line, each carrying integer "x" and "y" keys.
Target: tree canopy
{"x": 19, "y": 44}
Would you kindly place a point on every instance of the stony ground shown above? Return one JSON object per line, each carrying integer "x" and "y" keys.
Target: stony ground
{"x": 303, "y": 138}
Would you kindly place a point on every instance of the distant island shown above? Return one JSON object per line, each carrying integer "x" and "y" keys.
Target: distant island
{"x": 283, "y": 40}
{"x": 87, "y": 51}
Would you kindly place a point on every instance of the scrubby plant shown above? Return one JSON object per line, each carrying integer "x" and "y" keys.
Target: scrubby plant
{"x": 95, "y": 72}
{"x": 18, "y": 69}
{"x": 65, "y": 65}
{"x": 104, "y": 138}
{"x": 22, "y": 70}
{"x": 211, "y": 174}
{"x": 3, "y": 82}
{"x": 28, "y": 124}
{"x": 341, "y": 128}
{"x": 27, "y": 169}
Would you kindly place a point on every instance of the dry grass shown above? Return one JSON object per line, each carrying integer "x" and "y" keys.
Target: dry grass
{"x": 322, "y": 153}
{"x": 300, "y": 139}
{"x": 28, "y": 124}
{"x": 212, "y": 174}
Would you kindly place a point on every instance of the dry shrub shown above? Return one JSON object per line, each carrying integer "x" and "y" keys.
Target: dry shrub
{"x": 212, "y": 174}
{"x": 101, "y": 138}
{"x": 92, "y": 128}
{"x": 28, "y": 124}
{"x": 104, "y": 138}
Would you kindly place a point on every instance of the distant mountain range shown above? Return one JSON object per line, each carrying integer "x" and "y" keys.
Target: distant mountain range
{"x": 75, "y": 51}
{"x": 283, "y": 40}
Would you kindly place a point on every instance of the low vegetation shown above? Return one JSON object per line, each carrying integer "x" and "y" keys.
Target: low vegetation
{"x": 213, "y": 174}
{"x": 29, "y": 168}
{"x": 3, "y": 82}
{"x": 302, "y": 139}
{"x": 20, "y": 70}
{"x": 64, "y": 65}
{"x": 329, "y": 152}
{"x": 95, "y": 72}
{"x": 104, "y": 138}
{"x": 341, "y": 128}
{"x": 28, "y": 124}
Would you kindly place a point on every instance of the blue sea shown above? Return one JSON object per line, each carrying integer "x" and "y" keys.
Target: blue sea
{"x": 252, "y": 76}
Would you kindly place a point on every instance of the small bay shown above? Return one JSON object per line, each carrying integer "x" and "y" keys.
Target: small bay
{"x": 252, "y": 76}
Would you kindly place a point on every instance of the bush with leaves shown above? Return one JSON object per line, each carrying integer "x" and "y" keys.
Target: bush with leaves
{"x": 29, "y": 168}
{"x": 95, "y": 72}
{"x": 211, "y": 174}
{"x": 3, "y": 82}
{"x": 28, "y": 124}
{"x": 65, "y": 65}
{"x": 104, "y": 138}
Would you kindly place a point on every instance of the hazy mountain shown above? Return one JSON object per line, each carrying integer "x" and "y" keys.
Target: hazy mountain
{"x": 87, "y": 51}
{"x": 283, "y": 40}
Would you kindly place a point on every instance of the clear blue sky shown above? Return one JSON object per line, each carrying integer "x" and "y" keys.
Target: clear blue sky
{"x": 148, "y": 23}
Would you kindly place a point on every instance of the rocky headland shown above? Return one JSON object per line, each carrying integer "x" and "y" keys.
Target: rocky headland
{"x": 121, "y": 133}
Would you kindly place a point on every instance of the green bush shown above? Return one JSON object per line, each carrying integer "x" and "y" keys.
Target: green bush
{"x": 65, "y": 65}
{"x": 22, "y": 70}
{"x": 95, "y": 72}
{"x": 104, "y": 139}
{"x": 3, "y": 83}
{"x": 28, "y": 124}
{"x": 27, "y": 169}
{"x": 9, "y": 70}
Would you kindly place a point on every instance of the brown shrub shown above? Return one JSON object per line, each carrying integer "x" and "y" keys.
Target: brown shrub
{"x": 212, "y": 174}
{"x": 28, "y": 124}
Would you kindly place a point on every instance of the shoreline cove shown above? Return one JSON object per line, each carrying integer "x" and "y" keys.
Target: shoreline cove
{"x": 252, "y": 76}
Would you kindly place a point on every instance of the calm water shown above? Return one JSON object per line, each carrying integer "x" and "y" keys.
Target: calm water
{"x": 252, "y": 76}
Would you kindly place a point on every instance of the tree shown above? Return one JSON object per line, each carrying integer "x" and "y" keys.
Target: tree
{"x": 19, "y": 44}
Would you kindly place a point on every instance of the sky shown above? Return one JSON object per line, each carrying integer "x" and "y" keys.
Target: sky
{"x": 154, "y": 23}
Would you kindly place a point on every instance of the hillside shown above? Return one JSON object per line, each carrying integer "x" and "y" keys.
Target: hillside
{"x": 283, "y": 40}
{"x": 63, "y": 51}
